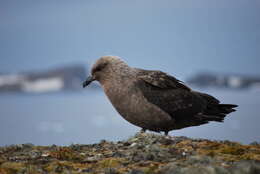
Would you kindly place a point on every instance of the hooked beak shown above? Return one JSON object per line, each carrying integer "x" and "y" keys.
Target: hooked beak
{"x": 88, "y": 81}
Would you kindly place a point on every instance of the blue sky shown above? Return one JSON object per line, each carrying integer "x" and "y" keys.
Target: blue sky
{"x": 176, "y": 36}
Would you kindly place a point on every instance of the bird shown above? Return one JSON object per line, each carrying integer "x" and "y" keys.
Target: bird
{"x": 154, "y": 100}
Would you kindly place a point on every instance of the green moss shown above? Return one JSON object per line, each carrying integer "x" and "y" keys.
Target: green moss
{"x": 66, "y": 153}
{"x": 110, "y": 162}
{"x": 62, "y": 166}
{"x": 232, "y": 150}
{"x": 12, "y": 167}
{"x": 75, "y": 159}
{"x": 229, "y": 152}
{"x": 3, "y": 171}
{"x": 152, "y": 168}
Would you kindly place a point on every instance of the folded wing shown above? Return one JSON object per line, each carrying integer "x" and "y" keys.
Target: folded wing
{"x": 186, "y": 107}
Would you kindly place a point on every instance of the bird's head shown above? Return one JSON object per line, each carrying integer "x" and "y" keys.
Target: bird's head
{"x": 104, "y": 69}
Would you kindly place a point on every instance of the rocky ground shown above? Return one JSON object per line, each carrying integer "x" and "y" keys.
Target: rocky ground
{"x": 142, "y": 154}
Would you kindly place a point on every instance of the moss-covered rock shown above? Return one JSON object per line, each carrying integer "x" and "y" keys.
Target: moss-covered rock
{"x": 141, "y": 154}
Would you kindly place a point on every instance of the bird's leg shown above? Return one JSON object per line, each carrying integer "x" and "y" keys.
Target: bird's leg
{"x": 143, "y": 130}
{"x": 166, "y": 133}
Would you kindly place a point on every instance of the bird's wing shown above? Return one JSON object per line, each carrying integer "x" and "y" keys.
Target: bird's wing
{"x": 169, "y": 94}
{"x": 161, "y": 80}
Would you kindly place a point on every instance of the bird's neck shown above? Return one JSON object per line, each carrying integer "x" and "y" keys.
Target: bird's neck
{"x": 118, "y": 86}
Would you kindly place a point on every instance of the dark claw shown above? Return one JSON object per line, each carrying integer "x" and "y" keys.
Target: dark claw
{"x": 143, "y": 130}
{"x": 166, "y": 133}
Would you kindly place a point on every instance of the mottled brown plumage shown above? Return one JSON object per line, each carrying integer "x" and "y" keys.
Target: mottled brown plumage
{"x": 154, "y": 100}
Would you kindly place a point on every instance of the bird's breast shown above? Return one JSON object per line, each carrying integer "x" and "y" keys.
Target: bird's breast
{"x": 131, "y": 105}
{"x": 123, "y": 97}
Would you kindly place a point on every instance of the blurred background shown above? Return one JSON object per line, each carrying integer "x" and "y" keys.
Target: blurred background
{"x": 48, "y": 46}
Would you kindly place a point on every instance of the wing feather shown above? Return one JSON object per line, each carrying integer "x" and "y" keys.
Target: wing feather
{"x": 161, "y": 80}
{"x": 170, "y": 94}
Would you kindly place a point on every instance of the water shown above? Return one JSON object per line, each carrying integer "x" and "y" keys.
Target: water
{"x": 88, "y": 117}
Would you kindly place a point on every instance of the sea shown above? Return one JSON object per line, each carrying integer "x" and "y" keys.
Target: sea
{"x": 87, "y": 116}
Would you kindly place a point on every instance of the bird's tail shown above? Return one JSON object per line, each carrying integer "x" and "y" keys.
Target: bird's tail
{"x": 215, "y": 111}
{"x": 218, "y": 112}
{"x": 227, "y": 108}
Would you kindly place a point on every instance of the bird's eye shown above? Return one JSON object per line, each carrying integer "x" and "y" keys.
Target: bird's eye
{"x": 100, "y": 67}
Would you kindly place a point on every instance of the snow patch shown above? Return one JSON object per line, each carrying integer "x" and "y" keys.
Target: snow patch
{"x": 10, "y": 79}
{"x": 235, "y": 82}
{"x": 43, "y": 85}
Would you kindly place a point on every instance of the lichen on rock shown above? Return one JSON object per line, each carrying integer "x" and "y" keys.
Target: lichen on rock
{"x": 143, "y": 153}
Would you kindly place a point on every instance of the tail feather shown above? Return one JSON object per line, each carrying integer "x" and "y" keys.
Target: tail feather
{"x": 227, "y": 108}
{"x": 217, "y": 112}
{"x": 210, "y": 118}
{"x": 214, "y": 110}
